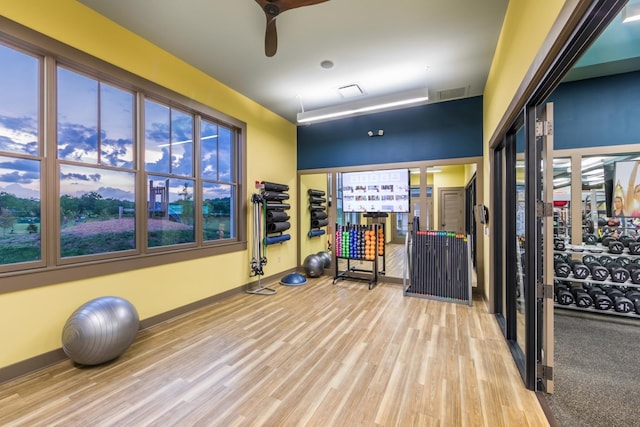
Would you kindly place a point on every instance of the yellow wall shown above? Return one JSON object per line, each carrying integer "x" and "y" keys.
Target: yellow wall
{"x": 31, "y": 321}
{"x": 524, "y": 30}
{"x": 451, "y": 176}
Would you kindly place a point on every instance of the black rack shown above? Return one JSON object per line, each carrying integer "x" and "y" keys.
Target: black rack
{"x": 608, "y": 281}
{"x": 318, "y": 213}
{"x": 361, "y": 243}
{"x": 276, "y": 217}
{"x": 439, "y": 266}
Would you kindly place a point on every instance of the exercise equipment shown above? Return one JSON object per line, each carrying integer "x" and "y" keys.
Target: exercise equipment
{"x": 598, "y": 272}
{"x": 313, "y": 265}
{"x": 580, "y": 271}
{"x": 272, "y": 240}
{"x": 602, "y": 302}
{"x": 623, "y": 304}
{"x": 100, "y": 330}
{"x": 563, "y": 296}
{"x": 438, "y": 265}
{"x": 581, "y": 297}
{"x": 317, "y": 211}
{"x": 326, "y": 258}
{"x": 316, "y": 233}
{"x": 293, "y": 279}
{"x": 258, "y": 255}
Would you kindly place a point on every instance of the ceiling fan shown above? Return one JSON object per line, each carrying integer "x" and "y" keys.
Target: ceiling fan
{"x": 273, "y": 8}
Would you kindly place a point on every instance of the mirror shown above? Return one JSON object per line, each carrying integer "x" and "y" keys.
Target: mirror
{"x": 436, "y": 197}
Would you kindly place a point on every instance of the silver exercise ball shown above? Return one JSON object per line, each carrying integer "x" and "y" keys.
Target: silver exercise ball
{"x": 100, "y": 330}
{"x": 313, "y": 265}
{"x": 326, "y": 258}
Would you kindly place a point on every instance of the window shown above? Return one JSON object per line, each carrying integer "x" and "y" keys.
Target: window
{"x": 219, "y": 197}
{"x": 95, "y": 153}
{"x": 129, "y": 170}
{"x": 20, "y": 162}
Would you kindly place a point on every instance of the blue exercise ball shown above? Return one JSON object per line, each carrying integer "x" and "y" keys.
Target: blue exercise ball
{"x": 100, "y": 330}
{"x": 313, "y": 265}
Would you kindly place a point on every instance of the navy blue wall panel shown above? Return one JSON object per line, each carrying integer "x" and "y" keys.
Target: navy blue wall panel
{"x": 444, "y": 130}
{"x": 597, "y": 112}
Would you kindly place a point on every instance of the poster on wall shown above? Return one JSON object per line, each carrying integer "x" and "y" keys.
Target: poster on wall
{"x": 376, "y": 191}
{"x": 626, "y": 189}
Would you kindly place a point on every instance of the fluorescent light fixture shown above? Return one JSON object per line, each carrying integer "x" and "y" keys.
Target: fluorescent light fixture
{"x": 596, "y": 171}
{"x": 631, "y": 12}
{"x": 383, "y": 103}
{"x": 561, "y": 181}
{"x": 434, "y": 170}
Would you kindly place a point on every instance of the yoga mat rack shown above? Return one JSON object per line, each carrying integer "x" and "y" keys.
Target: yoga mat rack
{"x": 437, "y": 266}
{"x": 317, "y": 212}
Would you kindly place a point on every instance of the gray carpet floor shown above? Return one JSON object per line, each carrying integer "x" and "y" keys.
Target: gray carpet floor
{"x": 596, "y": 372}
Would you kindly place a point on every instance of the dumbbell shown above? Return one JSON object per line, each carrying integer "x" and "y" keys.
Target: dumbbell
{"x": 558, "y": 244}
{"x": 581, "y": 297}
{"x": 604, "y": 260}
{"x": 623, "y": 261}
{"x": 602, "y": 302}
{"x": 634, "y": 272}
{"x": 623, "y": 304}
{"x": 616, "y": 247}
{"x": 634, "y": 248}
{"x": 580, "y": 271}
{"x": 618, "y": 273}
{"x": 606, "y": 240}
{"x": 563, "y": 296}
{"x": 613, "y": 293}
{"x": 626, "y": 240}
{"x": 595, "y": 291}
{"x": 590, "y": 239}
{"x": 633, "y": 295}
{"x": 562, "y": 269}
{"x": 589, "y": 258}
{"x": 559, "y": 257}
{"x": 598, "y": 272}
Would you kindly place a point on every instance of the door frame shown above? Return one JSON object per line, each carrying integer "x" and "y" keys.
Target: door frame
{"x": 578, "y": 24}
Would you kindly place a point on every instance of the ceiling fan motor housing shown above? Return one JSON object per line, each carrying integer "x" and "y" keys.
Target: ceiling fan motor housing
{"x": 272, "y": 9}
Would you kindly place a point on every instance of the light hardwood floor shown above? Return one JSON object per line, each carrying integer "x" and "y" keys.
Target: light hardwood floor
{"x": 312, "y": 355}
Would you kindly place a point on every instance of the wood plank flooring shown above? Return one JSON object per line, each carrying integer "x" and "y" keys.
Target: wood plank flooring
{"x": 312, "y": 355}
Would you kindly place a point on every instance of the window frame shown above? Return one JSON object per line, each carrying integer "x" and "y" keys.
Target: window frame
{"x": 51, "y": 268}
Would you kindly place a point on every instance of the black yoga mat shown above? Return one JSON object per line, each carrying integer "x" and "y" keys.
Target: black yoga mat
{"x": 272, "y": 186}
{"x": 276, "y": 239}
{"x": 278, "y": 206}
{"x": 274, "y": 227}
{"x": 317, "y": 208}
{"x": 315, "y": 233}
{"x": 318, "y": 215}
{"x": 277, "y": 216}
{"x": 275, "y": 195}
{"x": 317, "y": 200}
{"x": 319, "y": 222}
{"x": 317, "y": 193}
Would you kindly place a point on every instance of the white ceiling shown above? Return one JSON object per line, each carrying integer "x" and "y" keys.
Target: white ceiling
{"x": 386, "y": 47}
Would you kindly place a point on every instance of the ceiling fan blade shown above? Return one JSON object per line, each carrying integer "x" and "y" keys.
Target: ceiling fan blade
{"x": 273, "y": 8}
{"x": 270, "y": 37}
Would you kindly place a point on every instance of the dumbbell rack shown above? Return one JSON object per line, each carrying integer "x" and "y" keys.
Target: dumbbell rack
{"x": 596, "y": 251}
{"x": 358, "y": 242}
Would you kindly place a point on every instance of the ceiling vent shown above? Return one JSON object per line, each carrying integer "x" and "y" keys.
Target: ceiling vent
{"x": 350, "y": 91}
{"x": 447, "y": 94}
